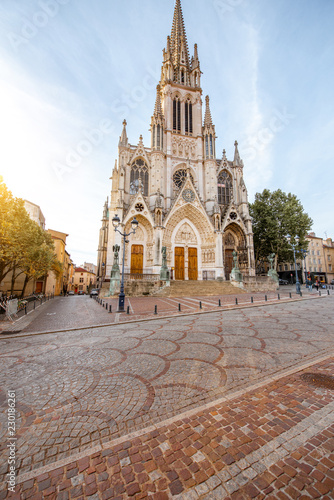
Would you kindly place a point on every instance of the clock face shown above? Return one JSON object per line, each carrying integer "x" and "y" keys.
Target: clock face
{"x": 188, "y": 195}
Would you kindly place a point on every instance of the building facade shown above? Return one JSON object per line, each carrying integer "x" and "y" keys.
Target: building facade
{"x": 318, "y": 262}
{"x": 183, "y": 196}
{"x": 58, "y": 284}
{"x": 83, "y": 280}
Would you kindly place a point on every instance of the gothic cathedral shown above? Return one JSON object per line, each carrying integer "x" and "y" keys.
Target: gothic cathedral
{"x": 184, "y": 198}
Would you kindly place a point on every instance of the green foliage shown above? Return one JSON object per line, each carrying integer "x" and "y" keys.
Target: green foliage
{"x": 275, "y": 215}
{"x": 24, "y": 246}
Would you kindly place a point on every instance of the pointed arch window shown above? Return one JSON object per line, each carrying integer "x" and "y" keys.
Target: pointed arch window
{"x": 158, "y": 136}
{"x": 139, "y": 175}
{"x": 206, "y": 146}
{"x": 188, "y": 117}
{"x": 153, "y": 137}
{"x": 176, "y": 115}
{"x": 225, "y": 189}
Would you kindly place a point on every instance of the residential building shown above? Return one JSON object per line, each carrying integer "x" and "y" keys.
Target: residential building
{"x": 318, "y": 262}
{"x": 83, "y": 280}
{"x": 57, "y": 284}
{"x": 35, "y": 213}
{"x": 188, "y": 201}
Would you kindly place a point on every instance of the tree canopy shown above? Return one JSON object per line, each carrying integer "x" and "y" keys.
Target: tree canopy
{"x": 275, "y": 215}
{"x": 24, "y": 246}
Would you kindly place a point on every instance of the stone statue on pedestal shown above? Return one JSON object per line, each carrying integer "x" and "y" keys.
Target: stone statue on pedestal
{"x": 272, "y": 272}
{"x": 164, "y": 271}
{"x": 115, "y": 273}
{"x": 235, "y": 273}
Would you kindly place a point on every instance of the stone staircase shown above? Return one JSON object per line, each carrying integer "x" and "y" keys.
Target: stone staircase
{"x": 200, "y": 288}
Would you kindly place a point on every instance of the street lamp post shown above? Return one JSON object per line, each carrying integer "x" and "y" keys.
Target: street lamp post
{"x": 305, "y": 252}
{"x": 296, "y": 239}
{"x": 134, "y": 224}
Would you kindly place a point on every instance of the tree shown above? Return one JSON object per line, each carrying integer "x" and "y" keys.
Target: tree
{"x": 24, "y": 246}
{"x": 276, "y": 214}
{"x": 14, "y": 225}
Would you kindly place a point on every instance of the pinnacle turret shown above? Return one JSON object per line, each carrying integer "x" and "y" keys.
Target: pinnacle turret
{"x": 123, "y": 140}
{"x": 207, "y": 116}
{"x": 237, "y": 159}
{"x": 157, "y": 107}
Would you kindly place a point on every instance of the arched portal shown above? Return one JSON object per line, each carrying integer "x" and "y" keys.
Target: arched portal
{"x": 187, "y": 233}
{"x": 234, "y": 239}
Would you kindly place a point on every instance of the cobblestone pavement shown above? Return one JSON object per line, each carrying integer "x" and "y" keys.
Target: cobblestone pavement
{"x": 92, "y": 407}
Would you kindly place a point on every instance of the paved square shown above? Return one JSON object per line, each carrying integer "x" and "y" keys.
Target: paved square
{"x": 79, "y": 392}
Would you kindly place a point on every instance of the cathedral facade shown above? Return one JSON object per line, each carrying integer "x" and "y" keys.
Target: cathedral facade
{"x": 183, "y": 196}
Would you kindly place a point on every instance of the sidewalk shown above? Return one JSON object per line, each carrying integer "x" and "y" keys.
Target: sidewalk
{"x": 271, "y": 441}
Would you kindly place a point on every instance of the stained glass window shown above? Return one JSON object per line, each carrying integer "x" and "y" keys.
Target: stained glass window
{"x": 139, "y": 173}
{"x": 224, "y": 188}
{"x": 179, "y": 177}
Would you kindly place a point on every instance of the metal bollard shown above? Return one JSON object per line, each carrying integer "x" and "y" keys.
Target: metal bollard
{"x": 290, "y": 296}
{"x": 179, "y": 307}
{"x": 25, "y": 309}
{"x": 252, "y": 300}
{"x": 327, "y": 292}
{"x": 301, "y": 294}
{"x": 200, "y": 305}
{"x": 219, "y": 303}
{"x": 236, "y": 301}
{"x": 319, "y": 293}
{"x": 265, "y": 298}
{"x": 128, "y": 310}
{"x": 110, "y": 308}
{"x": 278, "y": 297}
{"x": 155, "y": 309}
{"x": 34, "y": 303}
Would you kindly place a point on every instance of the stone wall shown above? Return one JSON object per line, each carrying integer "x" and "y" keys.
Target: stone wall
{"x": 259, "y": 284}
{"x": 136, "y": 288}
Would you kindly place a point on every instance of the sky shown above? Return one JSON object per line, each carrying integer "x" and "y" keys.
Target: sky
{"x": 72, "y": 70}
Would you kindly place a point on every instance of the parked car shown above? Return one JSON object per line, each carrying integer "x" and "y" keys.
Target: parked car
{"x": 332, "y": 282}
{"x": 282, "y": 282}
{"x": 81, "y": 292}
{"x": 94, "y": 292}
{"x": 70, "y": 292}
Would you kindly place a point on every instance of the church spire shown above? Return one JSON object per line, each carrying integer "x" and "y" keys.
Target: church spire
{"x": 178, "y": 39}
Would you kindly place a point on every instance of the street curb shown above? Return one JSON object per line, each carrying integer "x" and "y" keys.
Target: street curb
{"x": 154, "y": 318}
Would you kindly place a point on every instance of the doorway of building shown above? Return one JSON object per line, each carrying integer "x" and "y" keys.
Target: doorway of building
{"x": 179, "y": 263}
{"x": 192, "y": 264}
{"x": 137, "y": 258}
{"x": 228, "y": 260}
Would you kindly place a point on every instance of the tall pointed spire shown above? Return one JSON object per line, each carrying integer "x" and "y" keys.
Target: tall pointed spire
{"x": 178, "y": 39}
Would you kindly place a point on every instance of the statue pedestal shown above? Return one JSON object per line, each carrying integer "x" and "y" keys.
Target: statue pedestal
{"x": 236, "y": 275}
{"x": 115, "y": 280}
{"x": 272, "y": 273}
